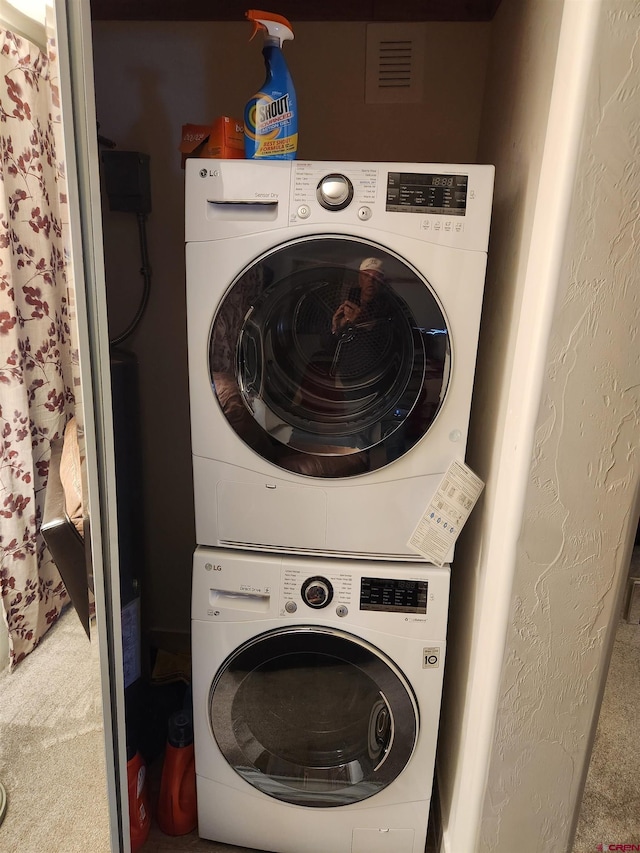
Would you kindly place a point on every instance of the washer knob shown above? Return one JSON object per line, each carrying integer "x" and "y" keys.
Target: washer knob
{"x": 317, "y": 592}
{"x": 335, "y": 192}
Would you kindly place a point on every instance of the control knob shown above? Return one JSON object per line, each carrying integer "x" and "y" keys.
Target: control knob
{"x": 317, "y": 592}
{"x": 335, "y": 192}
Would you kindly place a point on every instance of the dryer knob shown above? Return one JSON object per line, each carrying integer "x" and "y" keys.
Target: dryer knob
{"x": 335, "y": 192}
{"x": 317, "y": 592}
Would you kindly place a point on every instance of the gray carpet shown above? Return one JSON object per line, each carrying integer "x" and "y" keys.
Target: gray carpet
{"x": 610, "y": 812}
{"x": 51, "y": 747}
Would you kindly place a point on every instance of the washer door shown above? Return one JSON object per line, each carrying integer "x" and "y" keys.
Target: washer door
{"x": 330, "y": 356}
{"x": 313, "y": 716}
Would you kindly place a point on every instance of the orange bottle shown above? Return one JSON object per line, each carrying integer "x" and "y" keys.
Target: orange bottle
{"x": 177, "y": 809}
{"x": 139, "y": 813}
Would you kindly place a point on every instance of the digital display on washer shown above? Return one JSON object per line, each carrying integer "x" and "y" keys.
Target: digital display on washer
{"x": 409, "y": 192}
{"x": 392, "y": 595}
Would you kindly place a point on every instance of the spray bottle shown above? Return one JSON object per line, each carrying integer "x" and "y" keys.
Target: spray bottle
{"x": 271, "y": 116}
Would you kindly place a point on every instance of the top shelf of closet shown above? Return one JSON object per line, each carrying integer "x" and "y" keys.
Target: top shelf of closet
{"x": 296, "y": 10}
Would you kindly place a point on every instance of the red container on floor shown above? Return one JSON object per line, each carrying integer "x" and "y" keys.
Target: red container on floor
{"x": 139, "y": 812}
{"x": 177, "y": 809}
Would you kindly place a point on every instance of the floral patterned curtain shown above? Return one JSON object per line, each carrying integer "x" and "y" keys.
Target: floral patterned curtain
{"x": 38, "y": 356}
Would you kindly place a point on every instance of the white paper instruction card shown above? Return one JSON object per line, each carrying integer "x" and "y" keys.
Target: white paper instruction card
{"x": 444, "y": 518}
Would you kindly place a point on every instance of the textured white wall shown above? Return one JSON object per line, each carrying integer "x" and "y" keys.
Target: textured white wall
{"x": 520, "y": 80}
{"x": 580, "y": 510}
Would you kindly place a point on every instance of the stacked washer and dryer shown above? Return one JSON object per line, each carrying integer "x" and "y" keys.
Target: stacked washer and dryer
{"x": 333, "y": 315}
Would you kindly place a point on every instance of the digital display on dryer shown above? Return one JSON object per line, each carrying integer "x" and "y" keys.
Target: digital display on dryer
{"x": 393, "y": 595}
{"x": 409, "y": 192}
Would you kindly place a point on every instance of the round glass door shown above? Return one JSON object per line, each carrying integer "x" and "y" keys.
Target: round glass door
{"x": 330, "y": 356}
{"x": 313, "y": 716}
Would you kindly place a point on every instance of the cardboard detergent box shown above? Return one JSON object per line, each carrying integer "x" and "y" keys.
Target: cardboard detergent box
{"x": 223, "y": 139}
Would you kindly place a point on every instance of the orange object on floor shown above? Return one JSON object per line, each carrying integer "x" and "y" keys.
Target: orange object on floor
{"x": 177, "y": 809}
{"x": 139, "y": 811}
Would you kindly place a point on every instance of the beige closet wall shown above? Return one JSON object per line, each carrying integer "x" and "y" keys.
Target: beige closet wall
{"x": 581, "y": 508}
{"x": 520, "y": 79}
{"x": 153, "y": 77}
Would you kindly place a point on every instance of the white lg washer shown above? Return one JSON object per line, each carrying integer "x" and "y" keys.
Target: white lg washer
{"x": 333, "y": 315}
{"x": 316, "y": 698}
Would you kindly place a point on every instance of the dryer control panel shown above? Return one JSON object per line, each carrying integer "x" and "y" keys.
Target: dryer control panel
{"x": 445, "y": 204}
{"x": 439, "y": 203}
{"x": 419, "y": 192}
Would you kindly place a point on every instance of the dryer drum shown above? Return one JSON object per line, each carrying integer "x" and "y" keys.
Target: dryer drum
{"x": 314, "y": 359}
{"x": 329, "y": 385}
{"x": 313, "y": 716}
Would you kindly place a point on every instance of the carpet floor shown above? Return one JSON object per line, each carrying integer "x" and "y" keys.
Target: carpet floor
{"x": 610, "y": 813}
{"x": 52, "y": 747}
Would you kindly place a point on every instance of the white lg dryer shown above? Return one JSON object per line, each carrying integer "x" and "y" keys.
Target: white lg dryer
{"x": 333, "y": 315}
{"x": 316, "y": 698}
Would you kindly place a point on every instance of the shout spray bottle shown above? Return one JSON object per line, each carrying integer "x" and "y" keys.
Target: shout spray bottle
{"x": 271, "y": 116}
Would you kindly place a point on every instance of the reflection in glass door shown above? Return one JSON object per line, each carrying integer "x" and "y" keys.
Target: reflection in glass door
{"x": 330, "y": 356}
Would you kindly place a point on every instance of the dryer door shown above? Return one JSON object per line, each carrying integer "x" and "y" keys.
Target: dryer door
{"x": 330, "y": 356}
{"x": 313, "y": 716}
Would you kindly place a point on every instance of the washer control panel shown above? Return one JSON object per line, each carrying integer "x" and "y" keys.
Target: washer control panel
{"x": 406, "y": 600}
{"x": 331, "y": 593}
{"x": 341, "y": 594}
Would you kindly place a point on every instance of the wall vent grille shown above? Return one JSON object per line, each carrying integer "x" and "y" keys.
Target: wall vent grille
{"x": 395, "y": 66}
{"x": 395, "y": 63}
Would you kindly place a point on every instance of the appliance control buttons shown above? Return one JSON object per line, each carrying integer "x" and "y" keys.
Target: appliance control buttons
{"x": 291, "y": 607}
{"x": 364, "y": 213}
{"x": 342, "y": 610}
{"x": 317, "y": 592}
{"x": 304, "y": 211}
{"x": 335, "y": 192}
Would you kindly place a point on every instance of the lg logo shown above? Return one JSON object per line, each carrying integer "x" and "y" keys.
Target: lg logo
{"x": 211, "y": 568}
{"x": 203, "y": 173}
{"x": 214, "y": 173}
